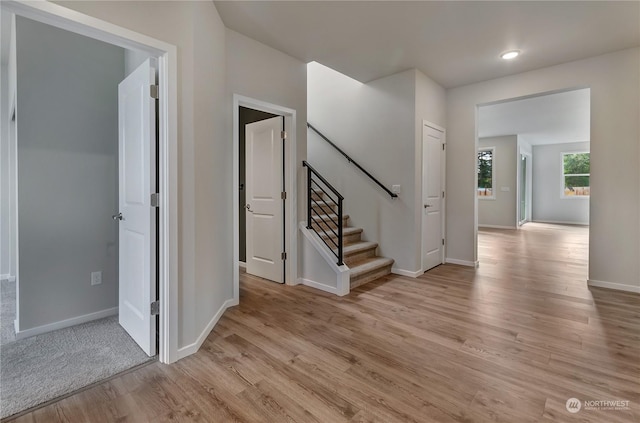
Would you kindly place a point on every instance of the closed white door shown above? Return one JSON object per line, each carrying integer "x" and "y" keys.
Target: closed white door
{"x": 432, "y": 197}
{"x": 137, "y": 218}
{"x": 264, "y": 185}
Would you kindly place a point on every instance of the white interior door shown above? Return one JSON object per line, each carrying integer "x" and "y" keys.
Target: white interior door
{"x": 136, "y": 161}
{"x": 264, "y": 185}
{"x": 432, "y": 197}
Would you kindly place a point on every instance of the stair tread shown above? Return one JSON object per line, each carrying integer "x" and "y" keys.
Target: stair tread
{"x": 346, "y": 230}
{"x": 328, "y": 216}
{"x": 369, "y": 265}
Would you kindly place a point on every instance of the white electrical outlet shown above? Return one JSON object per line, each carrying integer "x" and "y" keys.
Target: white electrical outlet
{"x": 396, "y": 189}
{"x": 96, "y": 278}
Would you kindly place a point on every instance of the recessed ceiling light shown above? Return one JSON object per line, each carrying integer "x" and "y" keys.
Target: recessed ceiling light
{"x": 508, "y": 55}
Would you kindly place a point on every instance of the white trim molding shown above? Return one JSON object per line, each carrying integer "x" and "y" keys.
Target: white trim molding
{"x": 462, "y": 262}
{"x": 407, "y": 273}
{"x": 187, "y": 350}
{"x": 614, "y": 285}
{"x": 38, "y": 330}
{"x": 7, "y": 277}
{"x": 496, "y": 226}
{"x": 560, "y": 222}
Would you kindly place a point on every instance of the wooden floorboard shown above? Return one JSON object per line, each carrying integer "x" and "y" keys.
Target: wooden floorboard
{"x": 510, "y": 341}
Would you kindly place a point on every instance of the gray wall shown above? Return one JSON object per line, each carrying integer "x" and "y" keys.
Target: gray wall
{"x": 548, "y": 204}
{"x": 501, "y": 211}
{"x": 67, "y": 180}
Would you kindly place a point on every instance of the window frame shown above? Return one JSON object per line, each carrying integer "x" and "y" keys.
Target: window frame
{"x": 563, "y": 176}
{"x": 493, "y": 174}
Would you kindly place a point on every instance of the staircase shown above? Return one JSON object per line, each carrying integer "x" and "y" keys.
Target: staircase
{"x": 360, "y": 256}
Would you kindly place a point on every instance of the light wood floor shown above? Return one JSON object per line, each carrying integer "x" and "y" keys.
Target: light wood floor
{"x": 508, "y": 342}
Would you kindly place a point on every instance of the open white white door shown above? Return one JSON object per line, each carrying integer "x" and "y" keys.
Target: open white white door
{"x": 432, "y": 197}
{"x": 264, "y": 185}
{"x": 137, "y": 217}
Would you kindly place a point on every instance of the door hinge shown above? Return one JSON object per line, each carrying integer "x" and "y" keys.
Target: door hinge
{"x": 155, "y": 199}
{"x": 442, "y": 194}
{"x": 442, "y": 241}
{"x": 283, "y": 256}
{"x": 283, "y": 195}
{"x": 154, "y": 91}
{"x": 443, "y": 146}
{"x": 283, "y": 135}
{"x": 155, "y": 308}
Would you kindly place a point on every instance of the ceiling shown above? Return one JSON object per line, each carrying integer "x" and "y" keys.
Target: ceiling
{"x": 454, "y": 43}
{"x": 548, "y": 119}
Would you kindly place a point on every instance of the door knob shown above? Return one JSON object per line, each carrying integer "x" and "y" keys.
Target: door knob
{"x": 248, "y": 206}
{"x": 117, "y": 216}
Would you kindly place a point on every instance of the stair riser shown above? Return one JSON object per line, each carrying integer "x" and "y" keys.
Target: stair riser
{"x": 317, "y": 197}
{"x": 328, "y": 224}
{"x": 370, "y": 276}
{"x": 353, "y": 258}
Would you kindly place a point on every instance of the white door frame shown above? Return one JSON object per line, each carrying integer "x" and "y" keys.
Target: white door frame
{"x": 443, "y": 185}
{"x": 290, "y": 172}
{"x": 528, "y": 182}
{"x": 72, "y": 21}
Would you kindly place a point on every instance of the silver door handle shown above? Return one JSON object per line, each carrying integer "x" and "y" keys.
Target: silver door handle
{"x": 117, "y": 216}
{"x": 248, "y": 206}
{"x": 426, "y": 206}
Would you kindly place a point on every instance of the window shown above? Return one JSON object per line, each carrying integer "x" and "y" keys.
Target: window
{"x": 485, "y": 173}
{"x": 576, "y": 169}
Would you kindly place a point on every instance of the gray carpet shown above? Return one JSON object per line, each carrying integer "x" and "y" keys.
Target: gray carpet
{"x": 7, "y": 311}
{"x": 43, "y": 367}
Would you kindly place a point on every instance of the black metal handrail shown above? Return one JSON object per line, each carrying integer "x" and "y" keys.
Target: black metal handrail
{"x": 350, "y": 160}
{"x": 325, "y": 221}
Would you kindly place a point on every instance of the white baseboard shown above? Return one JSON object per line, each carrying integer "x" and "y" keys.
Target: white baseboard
{"x": 318, "y": 285}
{"x": 242, "y": 265}
{"x": 193, "y": 348}
{"x": 7, "y": 277}
{"x": 408, "y": 273}
{"x": 462, "y": 262}
{"x": 560, "y": 222}
{"x": 27, "y": 333}
{"x": 614, "y": 285}
{"x": 496, "y": 226}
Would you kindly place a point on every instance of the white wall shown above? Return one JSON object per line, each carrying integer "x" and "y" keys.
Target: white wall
{"x": 548, "y": 186}
{"x": 501, "y": 210}
{"x": 205, "y": 165}
{"x": 260, "y": 72}
{"x": 379, "y": 124}
{"x": 67, "y": 173}
{"x": 615, "y": 109}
